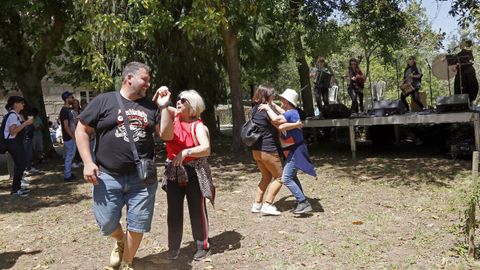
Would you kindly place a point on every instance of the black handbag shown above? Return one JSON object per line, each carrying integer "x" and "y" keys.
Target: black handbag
{"x": 146, "y": 167}
{"x": 251, "y": 132}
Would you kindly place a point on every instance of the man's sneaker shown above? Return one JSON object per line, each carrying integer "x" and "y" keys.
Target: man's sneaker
{"x": 256, "y": 207}
{"x": 19, "y": 193}
{"x": 303, "y": 207}
{"x": 269, "y": 209}
{"x": 201, "y": 254}
{"x": 117, "y": 253}
{"x": 75, "y": 165}
{"x": 126, "y": 266}
{"x": 173, "y": 254}
{"x": 70, "y": 179}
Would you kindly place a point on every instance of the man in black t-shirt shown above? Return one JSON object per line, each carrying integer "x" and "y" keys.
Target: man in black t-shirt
{"x": 114, "y": 176}
{"x": 68, "y": 134}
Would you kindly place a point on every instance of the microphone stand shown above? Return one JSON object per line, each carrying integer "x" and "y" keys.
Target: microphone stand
{"x": 430, "y": 82}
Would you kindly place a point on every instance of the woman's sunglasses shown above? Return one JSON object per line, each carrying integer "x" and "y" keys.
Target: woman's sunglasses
{"x": 182, "y": 100}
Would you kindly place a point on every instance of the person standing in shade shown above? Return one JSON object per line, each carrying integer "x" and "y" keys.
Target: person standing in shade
{"x": 114, "y": 176}
{"x": 67, "y": 123}
{"x": 13, "y": 133}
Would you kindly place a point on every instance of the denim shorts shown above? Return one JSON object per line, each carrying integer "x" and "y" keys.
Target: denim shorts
{"x": 114, "y": 192}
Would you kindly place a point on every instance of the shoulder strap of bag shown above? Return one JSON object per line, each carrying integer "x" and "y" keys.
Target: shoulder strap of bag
{"x": 4, "y": 122}
{"x": 126, "y": 124}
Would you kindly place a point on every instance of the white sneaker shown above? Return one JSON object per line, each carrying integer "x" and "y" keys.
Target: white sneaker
{"x": 117, "y": 253}
{"x": 256, "y": 207}
{"x": 269, "y": 209}
{"x": 34, "y": 170}
{"x": 25, "y": 183}
{"x": 75, "y": 165}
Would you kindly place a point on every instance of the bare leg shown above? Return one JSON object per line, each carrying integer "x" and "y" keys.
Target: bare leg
{"x": 118, "y": 234}
{"x": 132, "y": 242}
{"x": 273, "y": 190}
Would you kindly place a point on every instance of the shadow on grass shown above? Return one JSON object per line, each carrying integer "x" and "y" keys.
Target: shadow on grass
{"x": 228, "y": 240}
{"x": 396, "y": 165}
{"x": 47, "y": 190}
{"x": 288, "y": 203}
{"x": 8, "y": 259}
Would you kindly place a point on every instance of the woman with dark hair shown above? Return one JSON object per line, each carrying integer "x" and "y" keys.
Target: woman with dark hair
{"x": 466, "y": 79}
{"x": 356, "y": 83}
{"x": 412, "y": 75}
{"x": 265, "y": 153}
{"x": 13, "y": 131}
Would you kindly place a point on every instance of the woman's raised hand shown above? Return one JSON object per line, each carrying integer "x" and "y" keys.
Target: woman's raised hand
{"x": 162, "y": 97}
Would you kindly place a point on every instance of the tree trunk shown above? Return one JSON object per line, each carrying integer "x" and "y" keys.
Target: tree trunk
{"x": 233, "y": 67}
{"x": 208, "y": 117}
{"x": 302, "y": 65}
{"x": 304, "y": 72}
{"x": 30, "y": 84}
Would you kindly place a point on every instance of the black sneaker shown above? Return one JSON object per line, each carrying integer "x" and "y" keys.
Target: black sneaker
{"x": 303, "y": 207}
{"x": 173, "y": 254}
{"x": 70, "y": 179}
{"x": 201, "y": 254}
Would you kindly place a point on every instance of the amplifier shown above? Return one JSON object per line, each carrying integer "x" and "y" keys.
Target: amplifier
{"x": 388, "y": 107}
{"x": 335, "y": 111}
{"x": 455, "y": 103}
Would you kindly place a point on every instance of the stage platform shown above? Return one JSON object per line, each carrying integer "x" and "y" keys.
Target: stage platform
{"x": 404, "y": 119}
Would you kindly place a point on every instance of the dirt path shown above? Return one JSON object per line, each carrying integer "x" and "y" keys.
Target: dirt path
{"x": 394, "y": 212}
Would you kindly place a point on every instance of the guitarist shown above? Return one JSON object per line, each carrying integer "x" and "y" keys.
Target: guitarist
{"x": 413, "y": 75}
{"x": 356, "y": 83}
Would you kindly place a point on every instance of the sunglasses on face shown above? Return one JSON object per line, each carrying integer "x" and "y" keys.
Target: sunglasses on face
{"x": 182, "y": 100}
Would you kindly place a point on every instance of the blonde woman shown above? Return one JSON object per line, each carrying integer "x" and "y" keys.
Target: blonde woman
{"x": 187, "y": 172}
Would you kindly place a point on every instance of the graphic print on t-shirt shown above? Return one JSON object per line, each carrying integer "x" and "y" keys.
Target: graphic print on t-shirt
{"x": 138, "y": 122}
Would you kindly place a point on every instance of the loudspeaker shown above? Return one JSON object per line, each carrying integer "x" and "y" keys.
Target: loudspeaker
{"x": 388, "y": 107}
{"x": 423, "y": 99}
{"x": 335, "y": 111}
{"x": 455, "y": 103}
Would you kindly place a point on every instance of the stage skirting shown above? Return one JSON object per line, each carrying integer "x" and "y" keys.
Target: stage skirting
{"x": 404, "y": 119}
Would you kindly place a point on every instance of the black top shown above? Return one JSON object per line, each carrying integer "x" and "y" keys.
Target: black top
{"x": 66, "y": 114}
{"x": 113, "y": 152}
{"x": 269, "y": 141}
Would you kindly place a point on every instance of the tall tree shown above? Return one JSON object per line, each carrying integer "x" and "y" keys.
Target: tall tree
{"x": 31, "y": 33}
{"x": 376, "y": 25}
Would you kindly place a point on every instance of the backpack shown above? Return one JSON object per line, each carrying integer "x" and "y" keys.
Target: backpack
{"x": 251, "y": 132}
{"x": 3, "y": 145}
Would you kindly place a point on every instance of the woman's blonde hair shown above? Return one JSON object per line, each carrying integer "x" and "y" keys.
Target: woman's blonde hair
{"x": 195, "y": 100}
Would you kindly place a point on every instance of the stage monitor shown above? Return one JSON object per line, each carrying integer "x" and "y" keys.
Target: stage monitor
{"x": 454, "y": 103}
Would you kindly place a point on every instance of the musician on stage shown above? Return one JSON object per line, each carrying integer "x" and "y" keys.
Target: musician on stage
{"x": 412, "y": 75}
{"x": 323, "y": 77}
{"x": 466, "y": 79}
{"x": 356, "y": 83}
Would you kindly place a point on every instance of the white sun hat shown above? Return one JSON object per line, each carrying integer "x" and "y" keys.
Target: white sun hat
{"x": 291, "y": 96}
